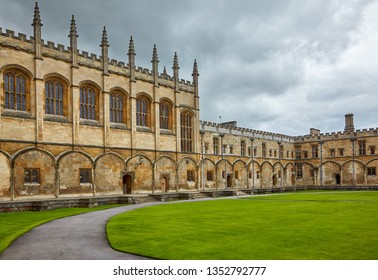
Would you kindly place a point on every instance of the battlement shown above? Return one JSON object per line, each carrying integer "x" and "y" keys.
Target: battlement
{"x": 52, "y": 46}
{"x": 11, "y": 34}
{"x": 359, "y": 133}
{"x": 230, "y": 128}
{"x": 61, "y": 52}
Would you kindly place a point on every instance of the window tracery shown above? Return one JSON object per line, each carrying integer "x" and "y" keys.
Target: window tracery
{"x": 15, "y": 91}
{"x": 88, "y": 106}
{"x": 117, "y": 107}
{"x": 54, "y": 98}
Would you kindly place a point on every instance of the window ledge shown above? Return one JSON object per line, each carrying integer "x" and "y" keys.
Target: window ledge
{"x": 85, "y": 184}
{"x": 16, "y": 114}
{"x": 32, "y": 184}
{"x": 119, "y": 126}
{"x": 53, "y": 118}
{"x": 166, "y": 132}
{"x": 144, "y": 129}
{"x": 90, "y": 122}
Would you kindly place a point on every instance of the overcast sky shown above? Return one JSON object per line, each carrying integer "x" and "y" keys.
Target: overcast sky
{"x": 274, "y": 65}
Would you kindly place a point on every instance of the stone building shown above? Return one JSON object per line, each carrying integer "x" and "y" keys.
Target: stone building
{"x": 77, "y": 124}
{"x": 245, "y": 158}
{"x": 73, "y": 123}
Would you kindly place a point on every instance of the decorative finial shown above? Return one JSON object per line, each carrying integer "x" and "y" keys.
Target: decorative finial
{"x": 175, "y": 62}
{"x": 73, "y": 31}
{"x": 104, "y": 41}
{"x": 155, "y": 54}
{"x": 195, "y": 68}
{"x": 131, "y": 47}
{"x": 37, "y": 17}
{"x": 165, "y": 72}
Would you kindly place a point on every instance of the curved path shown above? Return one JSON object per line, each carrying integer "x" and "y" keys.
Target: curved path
{"x": 80, "y": 237}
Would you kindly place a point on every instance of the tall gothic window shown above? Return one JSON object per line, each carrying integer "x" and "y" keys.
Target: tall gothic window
{"x": 117, "y": 108}
{"x": 186, "y": 132}
{"x": 88, "y": 103}
{"x": 143, "y": 111}
{"x": 15, "y": 90}
{"x": 54, "y": 91}
{"x": 165, "y": 115}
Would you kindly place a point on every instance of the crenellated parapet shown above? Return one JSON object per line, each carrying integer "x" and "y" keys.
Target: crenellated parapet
{"x": 329, "y": 136}
{"x": 244, "y": 132}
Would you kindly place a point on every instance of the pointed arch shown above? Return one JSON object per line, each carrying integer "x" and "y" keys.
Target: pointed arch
{"x": 17, "y": 87}
{"x": 97, "y": 158}
{"x": 141, "y": 167}
{"x": 143, "y": 110}
{"x": 165, "y": 173}
{"x": 34, "y": 172}
{"x": 56, "y": 101}
{"x": 187, "y": 174}
{"x": 66, "y": 153}
{"x": 89, "y": 100}
{"x": 118, "y": 105}
{"x": 5, "y": 174}
{"x": 166, "y": 113}
{"x": 76, "y": 173}
{"x": 28, "y": 149}
{"x": 109, "y": 168}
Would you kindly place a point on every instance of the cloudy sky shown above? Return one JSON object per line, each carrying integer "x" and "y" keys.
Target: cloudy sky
{"x": 274, "y": 65}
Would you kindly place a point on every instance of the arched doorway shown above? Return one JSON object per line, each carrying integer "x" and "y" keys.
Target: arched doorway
{"x": 164, "y": 182}
{"x": 229, "y": 181}
{"x": 127, "y": 182}
{"x": 337, "y": 179}
{"x": 274, "y": 179}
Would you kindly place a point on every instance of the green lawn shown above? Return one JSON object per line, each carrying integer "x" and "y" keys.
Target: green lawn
{"x": 295, "y": 226}
{"x": 13, "y": 225}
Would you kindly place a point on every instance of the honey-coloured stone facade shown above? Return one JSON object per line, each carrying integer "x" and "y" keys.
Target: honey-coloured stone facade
{"x": 74, "y": 124}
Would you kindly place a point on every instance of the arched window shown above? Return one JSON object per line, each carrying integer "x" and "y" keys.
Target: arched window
{"x": 15, "y": 91}
{"x": 186, "y": 125}
{"x": 117, "y": 108}
{"x": 88, "y": 106}
{"x": 54, "y": 96}
{"x": 143, "y": 111}
{"x": 165, "y": 115}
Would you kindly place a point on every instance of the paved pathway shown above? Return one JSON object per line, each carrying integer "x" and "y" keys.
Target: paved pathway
{"x": 80, "y": 237}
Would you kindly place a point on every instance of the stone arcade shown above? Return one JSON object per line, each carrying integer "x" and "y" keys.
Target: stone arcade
{"x": 74, "y": 124}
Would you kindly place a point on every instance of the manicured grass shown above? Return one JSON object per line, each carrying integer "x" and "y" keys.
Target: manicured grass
{"x": 15, "y": 224}
{"x": 296, "y": 226}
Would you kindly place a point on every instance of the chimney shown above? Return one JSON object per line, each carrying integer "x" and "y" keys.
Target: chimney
{"x": 349, "y": 125}
{"x": 314, "y": 131}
